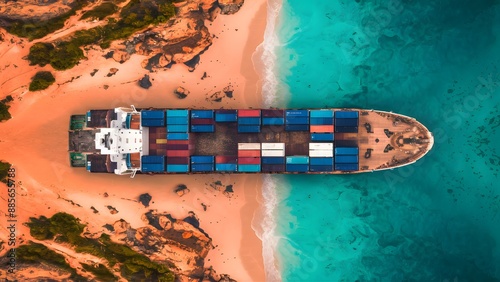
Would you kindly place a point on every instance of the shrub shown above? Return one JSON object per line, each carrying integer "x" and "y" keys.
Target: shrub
{"x": 100, "y": 12}
{"x": 42, "y": 80}
{"x": 4, "y": 171}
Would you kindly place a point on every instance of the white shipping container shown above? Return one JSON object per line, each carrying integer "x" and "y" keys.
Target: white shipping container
{"x": 273, "y": 153}
{"x": 321, "y": 153}
{"x": 248, "y": 146}
{"x": 273, "y": 146}
{"x": 320, "y": 146}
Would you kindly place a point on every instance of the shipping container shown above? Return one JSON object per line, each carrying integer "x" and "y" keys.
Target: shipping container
{"x": 152, "y": 159}
{"x": 177, "y": 128}
{"x": 152, "y": 122}
{"x": 203, "y": 128}
{"x": 170, "y": 146}
{"x": 249, "y": 167}
{"x": 157, "y": 167}
{"x": 321, "y": 121}
{"x": 177, "y": 168}
{"x": 273, "y": 153}
{"x": 226, "y": 159}
{"x": 177, "y": 142}
{"x": 273, "y": 160}
{"x": 346, "y": 167}
{"x": 297, "y": 167}
{"x": 297, "y": 113}
{"x": 152, "y": 114}
{"x": 346, "y": 129}
{"x": 249, "y": 120}
{"x": 321, "y": 168}
{"x": 321, "y": 128}
{"x": 297, "y": 127}
{"x": 346, "y": 159}
{"x": 346, "y": 122}
{"x": 161, "y": 141}
{"x": 297, "y": 120}
{"x": 323, "y": 113}
{"x": 177, "y": 136}
{"x": 226, "y": 117}
{"x": 248, "y": 146}
{"x": 202, "y": 159}
{"x": 177, "y": 153}
{"x": 273, "y": 113}
{"x": 321, "y": 153}
{"x": 226, "y": 111}
{"x": 248, "y": 113}
{"x": 226, "y": 167}
{"x": 273, "y": 168}
{"x": 248, "y": 128}
{"x": 273, "y": 146}
{"x": 202, "y": 167}
{"x": 321, "y": 161}
{"x": 202, "y": 114}
{"x": 178, "y": 160}
{"x": 202, "y": 121}
{"x": 177, "y": 113}
{"x": 177, "y": 120}
{"x": 320, "y": 146}
{"x": 346, "y": 114}
{"x": 346, "y": 151}
{"x": 319, "y": 137}
{"x": 297, "y": 160}
{"x": 273, "y": 121}
{"x": 248, "y": 160}
{"x": 249, "y": 153}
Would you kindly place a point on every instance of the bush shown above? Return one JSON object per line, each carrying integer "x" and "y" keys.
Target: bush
{"x": 4, "y": 171}
{"x": 4, "y": 111}
{"x": 100, "y": 12}
{"x": 42, "y": 80}
{"x": 40, "y": 54}
{"x": 101, "y": 272}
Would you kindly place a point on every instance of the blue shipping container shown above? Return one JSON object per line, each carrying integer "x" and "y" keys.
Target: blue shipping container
{"x": 346, "y": 129}
{"x": 321, "y": 121}
{"x": 346, "y": 151}
{"x": 346, "y": 114}
{"x": 297, "y": 113}
{"x": 249, "y": 168}
{"x": 202, "y": 159}
{"x": 226, "y": 167}
{"x": 202, "y": 114}
{"x": 346, "y": 167}
{"x": 322, "y": 137}
{"x": 248, "y": 128}
{"x": 321, "y": 168}
{"x": 202, "y": 128}
{"x": 297, "y": 160}
{"x": 321, "y": 113}
{"x": 346, "y": 122}
{"x": 177, "y": 128}
{"x": 273, "y": 121}
{"x": 152, "y": 122}
{"x": 297, "y": 127}
{"x": 177, "y": 113}
{"x": 202, "y": 167}
{"x": 177, "y": 136}
{"x": 273, "y": 160}
{"x": 177, "y": 168}
{"x": 249, "y": 120}
{"x": 177, "y": 120}
{"x": 297, "y": 120}
{"x": 346, "y": 159}
{"x": 152, "y": 159}
{"x": 153, "y": 167}
{"x": 153, "y": 114}
{"x": 226, "y": 117}
{"x": 297, "y": 167}
{"x": 321, "y": 161}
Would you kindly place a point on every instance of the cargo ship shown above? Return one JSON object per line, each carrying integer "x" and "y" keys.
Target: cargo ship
{"x": 127, "y": 141}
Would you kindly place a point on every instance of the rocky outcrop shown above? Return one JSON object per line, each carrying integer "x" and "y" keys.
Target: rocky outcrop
{"x": 33, "y": 10}
{"x": 145, "y": 83}
{"x": 181, "y": 92}
{"x": 229, "y": 7}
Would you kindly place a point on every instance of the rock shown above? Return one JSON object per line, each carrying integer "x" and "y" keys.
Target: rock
{"x": 145, "y": 199}
{"x": 187, "y": 234}
{"x": 34, "y": 11}
{"x": 94, "y": 209}
{"x": 181, "y": 190}
{"x": 145, "y": 82}
{"x": 94, "y": 72}
{"x": 120, "y": 56}
{"x": 193, "y": 63}
{"x": 228, "y": 90}
{"x": 112, "y": 71}
{"x": 109, "y": 55}
{"x": 181, "y": 92}
{"x": 112, "y": 210}
{"x": 216, "y": 97}
{"x": 105, "y": 194}
{"x": 105, "y": 86}
{"x": 229, "y": 7}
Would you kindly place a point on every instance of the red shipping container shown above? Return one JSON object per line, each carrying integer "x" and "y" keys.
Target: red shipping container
{"x": 246, "y": 160}
{"x": 249, "y": 153}
{"x": 178, "y": 142}
{"x": 225, "y": 159}
{"x": 249, "y": 113}
{"x": 178, "y": 153}
{"x": 321, "y": 128}
{"x": 177, "y": 146}
{"x": 178, "y": 160}
{"x": 202, "y": 121}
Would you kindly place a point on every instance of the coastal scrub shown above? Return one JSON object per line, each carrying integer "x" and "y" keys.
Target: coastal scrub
{"x": 4, "y": 171}
{"x": 42, "y": 80}
{"x": 4, "y": 108}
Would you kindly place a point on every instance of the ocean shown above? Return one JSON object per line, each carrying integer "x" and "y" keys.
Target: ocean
{"x": 436, "y": 220}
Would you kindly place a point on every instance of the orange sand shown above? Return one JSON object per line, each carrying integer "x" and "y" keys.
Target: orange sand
{"x": 35, "y": 141}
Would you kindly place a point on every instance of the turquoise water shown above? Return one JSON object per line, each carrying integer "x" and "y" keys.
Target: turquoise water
{"x": 437, "y": 220}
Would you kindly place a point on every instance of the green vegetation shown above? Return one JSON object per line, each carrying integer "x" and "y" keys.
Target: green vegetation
{"x": 42, "y": 80}
{"x": 101, "y": 272}
{"x": 4, "y": 108}
{"x": 4, "y": 171}
{"x": 63, "y": 227}
{"x": 100, "y": 12}
{"x": 61, "y": 57}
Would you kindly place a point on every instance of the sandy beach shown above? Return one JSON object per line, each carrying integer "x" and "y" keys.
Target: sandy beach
{"x": 35, "y": 141}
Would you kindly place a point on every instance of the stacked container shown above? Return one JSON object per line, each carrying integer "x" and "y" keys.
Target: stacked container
{"x": 321, "y": 125}
{"x": 248, "y": 121}
{"x": 321, "y": 157}
{"x": 226, "y": 163}
{"x": 346, "y": 121}
{"x": 346, "y": 158}
{"x": 202, "y": 163}
{"x": 226, "y": 115}
{"x": 177, "y": 121}
{"x": 202, "y": 121}
{"x": 273, "y": 157}
{"x": 152, "y": 164}
{"x": 297, "y": 120}
{"x": 249, "y": 157}
{"x": 297, "y": 163}
{"x": 150, "y": 118}
{"x": 273, "y": 117}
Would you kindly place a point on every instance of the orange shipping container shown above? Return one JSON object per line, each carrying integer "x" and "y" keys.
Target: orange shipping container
{"x": 177, "y": 153}
{"x": 321, "y": 128}
{"x": 249, "y": 153}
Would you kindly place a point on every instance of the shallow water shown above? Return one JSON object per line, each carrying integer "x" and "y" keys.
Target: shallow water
{"x": 436, "y": 220}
